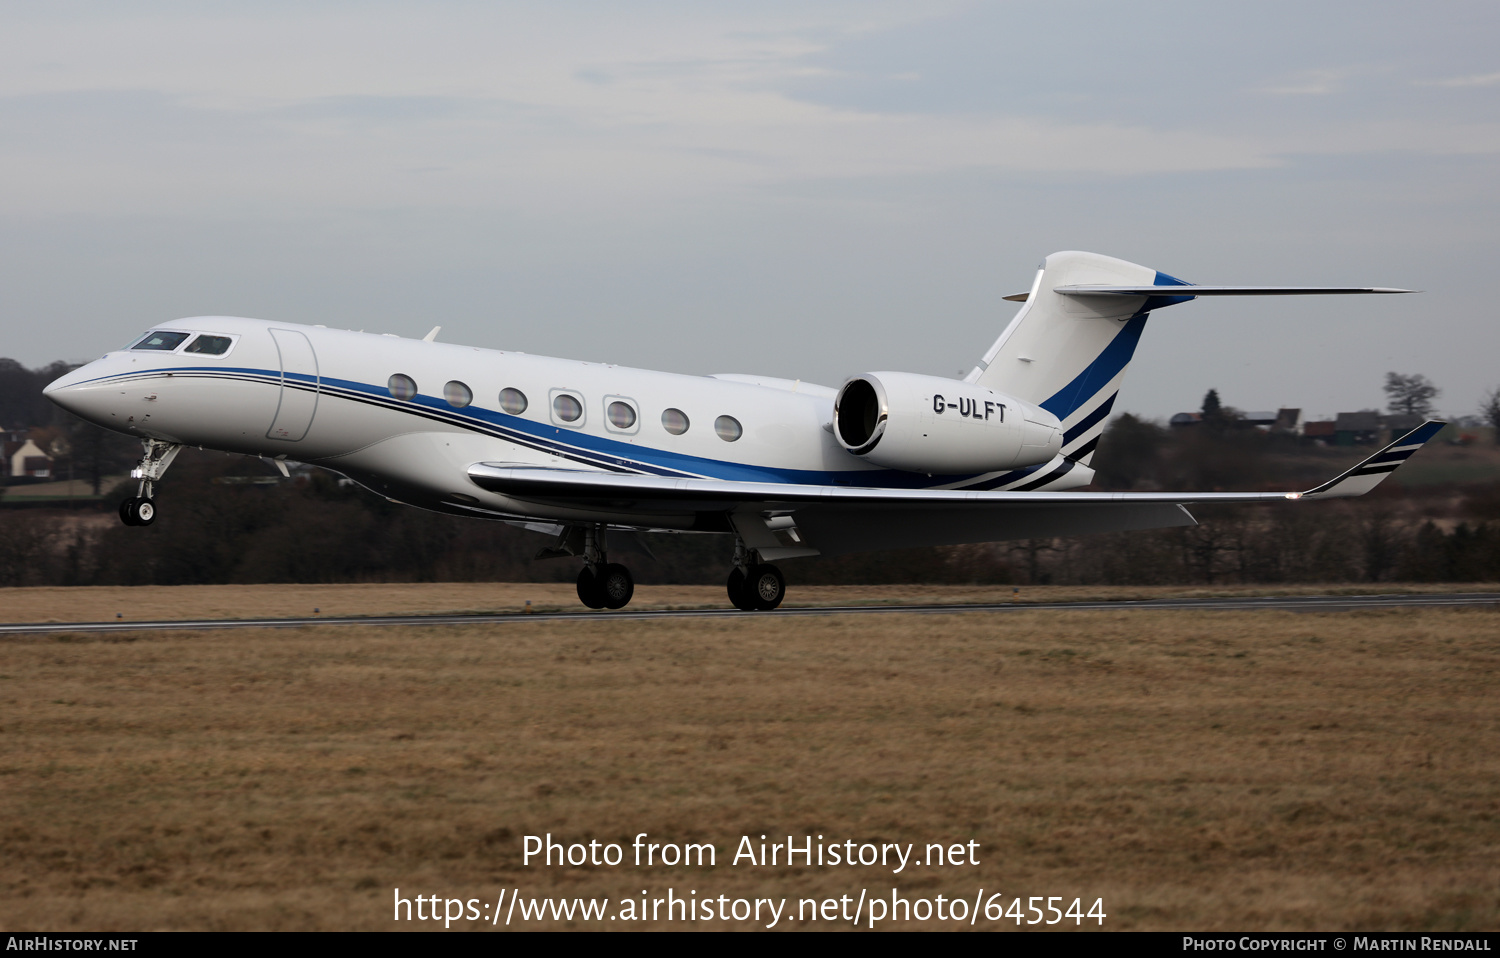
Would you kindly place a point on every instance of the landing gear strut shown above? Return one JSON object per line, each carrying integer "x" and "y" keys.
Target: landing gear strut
{"x": 602, "y": 584}
{"x": 754, "y": 586}
{"x": 140, "y": 510}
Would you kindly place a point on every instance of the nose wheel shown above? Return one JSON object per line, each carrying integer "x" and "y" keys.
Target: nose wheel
{"x": 138, "y": 511}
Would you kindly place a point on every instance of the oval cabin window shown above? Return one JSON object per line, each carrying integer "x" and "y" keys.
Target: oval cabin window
{"x": 512, "y": 401}
{"x": 402, "y": 387}
{"x": 457, "y": 394}
{"x": 621, "y": 416}
{"x": 728, "y": 428}
{"x": 674, "y": 421}
{"x": 568, "y": 408}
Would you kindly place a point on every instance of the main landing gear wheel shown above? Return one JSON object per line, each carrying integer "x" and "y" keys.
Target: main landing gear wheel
{"x": 616, "y": 586}
{"x": 739, "y": 596}
{"x": 760, "y": 591}
{"x": 766, "y": 586}
{"x": 610, "y": 588}
{"x": 138, "y": 511}
{"x": 589, "y": 592}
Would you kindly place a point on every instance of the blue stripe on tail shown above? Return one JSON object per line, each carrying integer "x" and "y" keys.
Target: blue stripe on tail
{"x": 1105, "y": 367}
{"x": 1115, "y": 357}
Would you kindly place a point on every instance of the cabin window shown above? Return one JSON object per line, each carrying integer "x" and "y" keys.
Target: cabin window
{"x": 728, "y": 428}
{"x": 512, "y": 401}
{"x": 163, "y": 339}
{"x": 621, "y": 414}
{"x": 567, "y": 407}
{"x": 674, "y": 421}
{"x": 210, "y": 345}
{"x": 402, "y": 387}
{"x": 457, "y": 394}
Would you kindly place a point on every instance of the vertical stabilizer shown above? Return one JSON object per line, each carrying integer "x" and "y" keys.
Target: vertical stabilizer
{"x": 1068, "y": 354}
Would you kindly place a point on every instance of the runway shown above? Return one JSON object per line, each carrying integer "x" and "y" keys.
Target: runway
{"x": 1303, "y": 603}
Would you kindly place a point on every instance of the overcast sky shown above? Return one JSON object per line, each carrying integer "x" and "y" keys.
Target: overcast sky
{"x": 809, "y": 189}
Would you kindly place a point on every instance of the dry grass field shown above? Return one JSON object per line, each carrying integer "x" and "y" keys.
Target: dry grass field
{"x": 1258, "y": 770}
{"x": 144, "y": 603}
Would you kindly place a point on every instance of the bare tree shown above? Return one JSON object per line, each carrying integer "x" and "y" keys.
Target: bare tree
{"x": 1031, "y": 550}
{"x": 1489, "y": 411}
{"x": 24, "y": 542}
{"x": 1412, "y": 394}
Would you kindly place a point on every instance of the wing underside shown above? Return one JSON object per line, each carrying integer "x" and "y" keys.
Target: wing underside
{"x": 783, "y": 519}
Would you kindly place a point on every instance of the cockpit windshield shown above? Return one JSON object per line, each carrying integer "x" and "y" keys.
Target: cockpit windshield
{"x": 210, "y": 345}
{"x": 162, "y": 339}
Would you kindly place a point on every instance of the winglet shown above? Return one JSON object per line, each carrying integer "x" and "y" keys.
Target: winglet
{"x": 432, "y": 336}
{"x": 1368, "y": 474}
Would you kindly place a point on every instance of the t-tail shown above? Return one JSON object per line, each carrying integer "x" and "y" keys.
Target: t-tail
{"x": 1068, "y": 348}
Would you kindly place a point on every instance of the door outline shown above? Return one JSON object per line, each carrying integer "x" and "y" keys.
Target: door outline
{"x": 295, "y": 408}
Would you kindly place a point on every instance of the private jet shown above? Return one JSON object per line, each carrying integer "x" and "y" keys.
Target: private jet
{"x": 586, "y": 451}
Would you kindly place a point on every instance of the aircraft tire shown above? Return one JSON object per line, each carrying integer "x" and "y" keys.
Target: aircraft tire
{"x": 616, "y": 586}
{"x": 739, "y": 596}
{"x": 589, "y": 592}
{"x": 136, "y": 511}
{"x": 765, "y": 588}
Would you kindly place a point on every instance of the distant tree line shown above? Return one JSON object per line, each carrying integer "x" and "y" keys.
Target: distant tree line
{"x": 316, "y": 528}
{"x": 21, "y": 401}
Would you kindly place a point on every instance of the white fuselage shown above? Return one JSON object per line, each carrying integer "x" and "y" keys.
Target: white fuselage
{"x": 326, "y": 396}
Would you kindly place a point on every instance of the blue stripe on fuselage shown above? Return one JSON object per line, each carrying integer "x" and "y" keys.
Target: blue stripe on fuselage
{"x": 579, "y": 446}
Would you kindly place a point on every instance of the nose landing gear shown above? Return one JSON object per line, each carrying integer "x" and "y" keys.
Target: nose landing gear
{"x": 140, "y": 510}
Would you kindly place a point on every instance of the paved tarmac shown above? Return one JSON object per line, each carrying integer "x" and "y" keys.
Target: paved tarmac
{"x": 1292, "y": 603}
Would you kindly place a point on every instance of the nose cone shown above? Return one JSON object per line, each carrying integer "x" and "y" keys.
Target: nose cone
{"x": 70, "y": 392}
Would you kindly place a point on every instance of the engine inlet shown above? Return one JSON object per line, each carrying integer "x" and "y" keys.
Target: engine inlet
{"x": 858, "y": 415}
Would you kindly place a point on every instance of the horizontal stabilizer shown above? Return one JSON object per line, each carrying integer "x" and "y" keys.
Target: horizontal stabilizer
{"x": 1098, "y": 290}
{"x": 1369, "y": 474}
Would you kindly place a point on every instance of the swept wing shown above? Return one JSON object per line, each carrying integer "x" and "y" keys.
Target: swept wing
{"x": 785, "y": 519}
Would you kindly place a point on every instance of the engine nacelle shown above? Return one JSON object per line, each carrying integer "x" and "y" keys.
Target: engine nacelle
{"x": 940, "y": 426}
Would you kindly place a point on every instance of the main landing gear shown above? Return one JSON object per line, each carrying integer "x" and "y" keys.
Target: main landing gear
{"x": 754, "y": 586}
{"x": 605, "y": 587}
{"x": 602, "y": 584}
{"x": 140, "y": 510}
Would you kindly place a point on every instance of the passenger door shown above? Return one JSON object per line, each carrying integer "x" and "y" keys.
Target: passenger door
{"x": 299, "y": 386}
